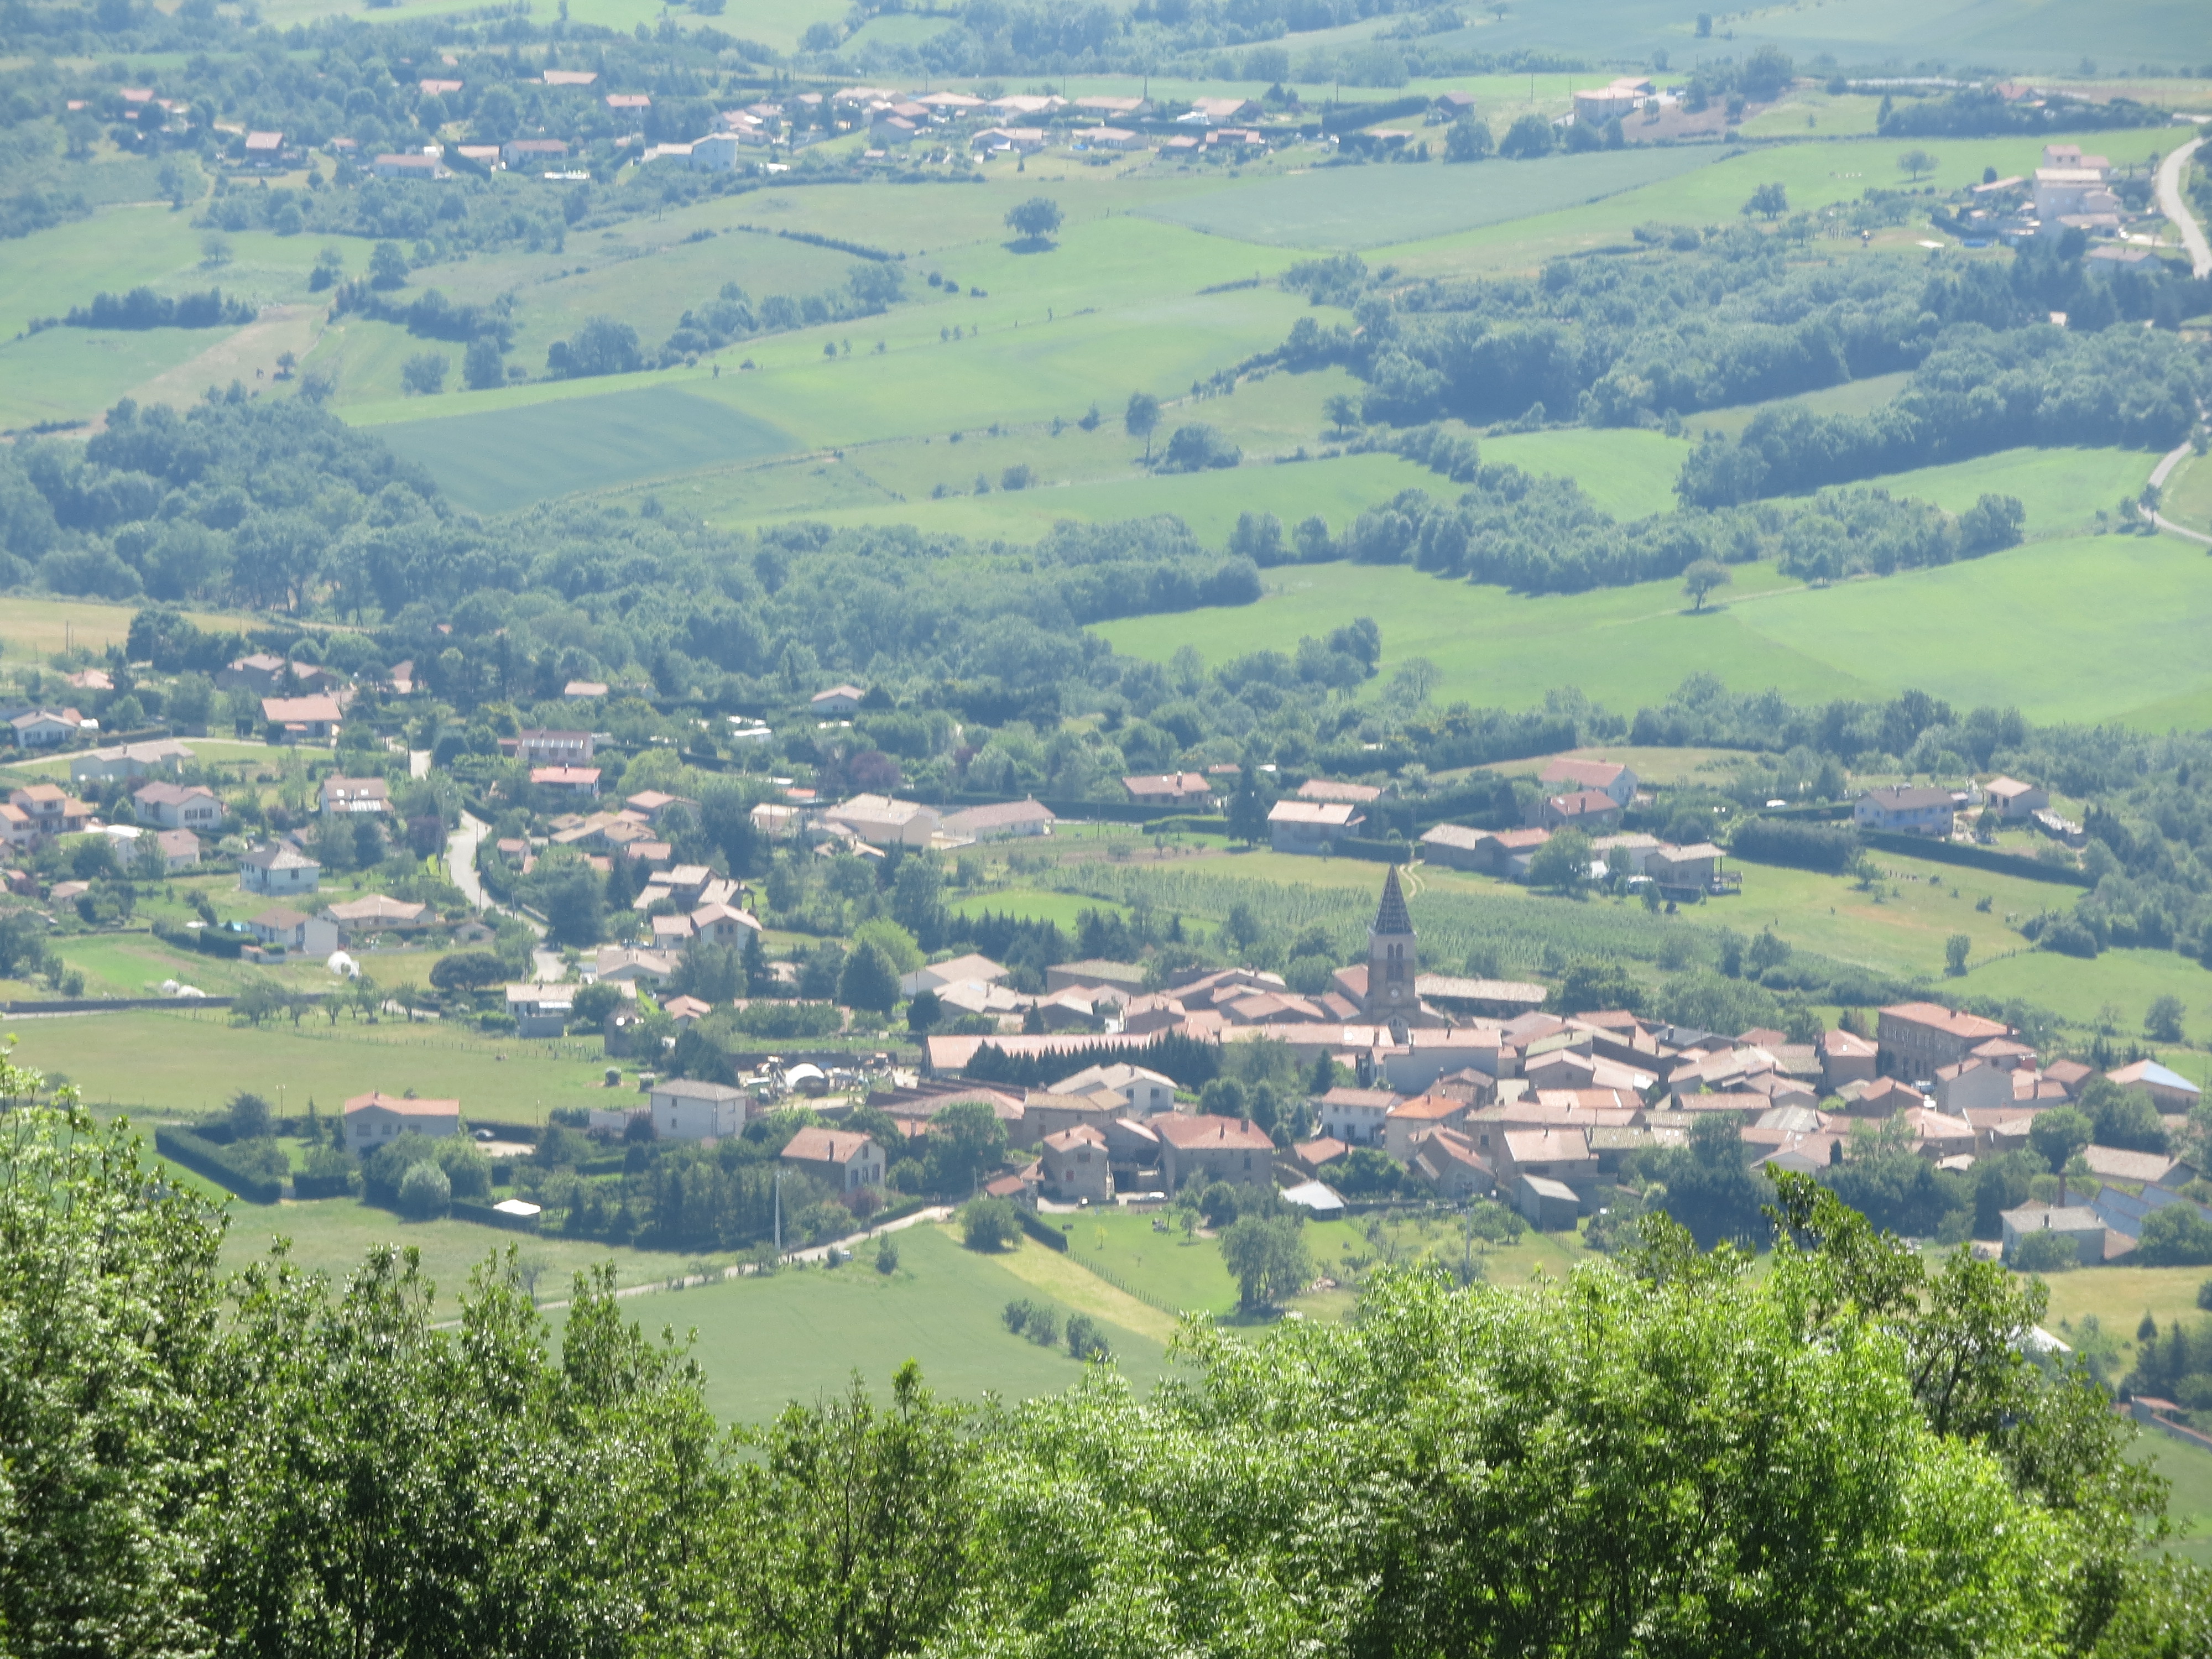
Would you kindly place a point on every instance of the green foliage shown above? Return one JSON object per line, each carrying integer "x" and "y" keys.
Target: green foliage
{"x": 1267, "y": 1255}
{"x": 2057, "y": 1135}
{"x": 2175, "y": 1236}
{"x": 469, "y": 970}
{"x": 1034, "y": 219}
{"x": 990, "y": 1224}
{"x": 2046, "y": 1252}
{"x": 249, "y": 1115}
{"x": 425, "y": 1192}
{"x": 967, "y": 1142}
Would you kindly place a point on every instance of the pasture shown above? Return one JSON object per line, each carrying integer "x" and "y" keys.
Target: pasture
{"x": 497, "y": 460}
{"x": 156, "y": 1062}
{"x": 1365, "y": 207}
{"x": 800, "y": 1335}
{"x": 43, "y": 627}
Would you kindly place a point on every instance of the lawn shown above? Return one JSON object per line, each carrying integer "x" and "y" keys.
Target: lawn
{"x": 1030, "y": 904}
{"x": 334, "y": 1235}
{"x": 40, "y": 627}
{"x": 2188, "y": 495}
{"x": 2188, "y": 1503}
{"x": 496, "y": 460}
{"x": 1369, "y": 207}
{"x": 75, "y": 373}
{"x": 800, "y": 1335}
{"x": 2059, "y": 629}
{"x": 161, "y": 1064}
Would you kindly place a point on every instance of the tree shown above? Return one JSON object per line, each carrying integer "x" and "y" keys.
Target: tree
{"x": 869, "y": 979}
{"x": 469, "y": 970}
{"x": 2043, "y": 1252}
{"x": 425, "y": 1192}
{"x": 1954, "y": 954}
{"x": 387, "y": 266}
{"x": 249, "y": 1115}
{"x": 967, "y": 1141}
{"x": 2163, "y": 1023}
{"x": 1769, "y": 202}
{"x": 1702, "y": 577}
{"x": 2057, "y": 1135}
{"x": 1916, "y": 162}
{"x": 989, "y": 1223}
{"x": 1034, "y": 219}
{"x": 1248, "y": 808}
{"x": 1342, "y": 409}
{"x": 2175, "y": 1236}
{"x": 924, "y": 1010}
{"x": 1266, "y": 1256}
{"x": 1590, "y": 986}
{"x": 2121, "y": 1117}
{"x": 1468, "y": 140}
{"x": 423, "y": 376}
{"x": 1141, "y": 417}
{"x": 482, "y": 367}
{"x": 1562, "y": 863}
{"x": 857, "y": 1537}
{"x": 1529, "y": 136}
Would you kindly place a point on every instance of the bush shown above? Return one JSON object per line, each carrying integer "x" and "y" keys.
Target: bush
{"x": 887, "y": 1257}
{"x": 2204, "y": 1295}
{"x": 990, "y": 1224}
{"x": 204, "y": 1157}
{"x": 425, "y": 1193}
{"x": 2048, "y": 1253}
{"x": 1825, "y": 846}
{"x": 1198, "y": 447}
{"x": 327, "y": 1171}
{"x": 2175, "y": 1236}
{"x": 1085, "y": 1339}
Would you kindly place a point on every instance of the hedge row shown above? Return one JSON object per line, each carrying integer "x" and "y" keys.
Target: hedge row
{"x": 1037, "y": 1228}
{"x": 1976, "y": 858}
{"x": 206, "y": 1158}
{"x": 208, "y": 941}
{"x": 336, "y": 1186}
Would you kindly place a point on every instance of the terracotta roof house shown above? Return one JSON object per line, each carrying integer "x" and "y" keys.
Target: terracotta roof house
{"x": 1072, "y": 1166}
{"x": 313, "y": 718}
{"x": 1586, "y": 809}
{"x": 178, "y": 806}
{"x": 1608, "y": 778}
{"x": 2010, "y": 799}
{"x": 846, "y": 1162}
{"x": 1917, "y": 1039}
{"x": 2169, "y": 1090}
{"x": 374, "y": 1118}
{"x": 1359, "y": 794}
{"x": 996, "y": 822}
{"x": 1311, "y": 826}
{"x": 1171, "y": 789}
{"x": 1448, "y": 1161}
{"x": 1204, "y": 1149}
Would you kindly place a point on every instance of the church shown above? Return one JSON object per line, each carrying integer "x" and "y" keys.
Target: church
{"x": 1392, "y": 991}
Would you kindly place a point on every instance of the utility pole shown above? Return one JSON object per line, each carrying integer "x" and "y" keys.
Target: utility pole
{"x": 779, "y": 1213}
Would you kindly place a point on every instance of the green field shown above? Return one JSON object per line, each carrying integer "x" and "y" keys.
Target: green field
{"x": 1369, "y": 207}
{"x": 492, "y": 462}
{"x": 2059, "y": 629}
{"x": 1064, "y": 911}
{"x": 799, "y": 1334}
{"x": 159, "y": 1064}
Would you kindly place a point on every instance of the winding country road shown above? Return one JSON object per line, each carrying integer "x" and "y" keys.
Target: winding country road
{"x": 2175, "y": 206}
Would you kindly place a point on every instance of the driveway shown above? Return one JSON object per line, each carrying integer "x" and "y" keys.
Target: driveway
{"x": 2175, "y": 206}
{"x": 461, "y": 859}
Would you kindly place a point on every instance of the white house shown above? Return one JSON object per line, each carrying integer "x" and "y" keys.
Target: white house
{"x": 279, "y": 869}
{"x": 684, "y": 1109}
{"x": 179, "y": 806}
{"x": 46, "y": 728}
{"x": 541, "y": 1011}
{"x": 1311, "y": 826}
{"x": 837, "y": 700}
{"x": 372, "y": 1119}
{"x": 280, "y": 928}
{"x": 1147, "y": 1094}
{"x": 1608, "y": 778}
{"x": 1358, "y": 1117}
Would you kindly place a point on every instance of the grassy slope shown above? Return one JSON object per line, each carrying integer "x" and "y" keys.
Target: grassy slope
{"x": 187, "y": 1064}
{"x": 1366, "y": 207}
{"x": 765, "y": 1342}
{"x": 40, "y": 627}
{"x": 2060, "y": 629}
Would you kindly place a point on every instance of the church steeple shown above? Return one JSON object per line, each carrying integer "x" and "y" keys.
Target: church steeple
{"x": 1392, "y": 962}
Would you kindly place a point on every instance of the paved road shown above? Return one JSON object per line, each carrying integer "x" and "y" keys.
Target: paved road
{"x": 461, "y": 859}
{"x": 2159, "y": 474}
{"x": 2175, "y": 207}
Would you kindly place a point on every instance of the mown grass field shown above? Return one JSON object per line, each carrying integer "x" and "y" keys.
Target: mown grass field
{"x": 39, "y": 627}
{"x": 800, "y": 1335}
{"x": 1064, "y": 911}
{"x": 2059, "y": 629}
{"x": 158, "y": 1064}
{"x": 493, "y": 462}
{"x": 1379, "y": 206}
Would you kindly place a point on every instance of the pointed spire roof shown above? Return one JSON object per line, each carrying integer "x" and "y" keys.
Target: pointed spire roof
{"x": 1390, "y": 915}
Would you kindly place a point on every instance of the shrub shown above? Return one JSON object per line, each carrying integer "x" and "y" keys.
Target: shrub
{"x": 1084, "y": 1339}
{"x": 989, "y": 1223}
{"x": 424, "y": 1192}
{"x": 2047, "y": 1253}
{"x": 2175, "y": 1236}
{"x": 887, "y": 1257}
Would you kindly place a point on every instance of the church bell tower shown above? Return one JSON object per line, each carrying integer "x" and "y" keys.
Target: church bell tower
{"x": 1391, "y": 963}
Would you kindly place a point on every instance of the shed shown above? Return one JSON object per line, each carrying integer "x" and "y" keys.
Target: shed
{"x": 1549, "y": 1206}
